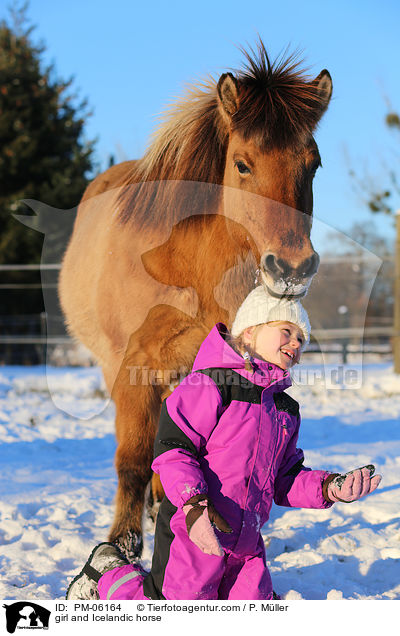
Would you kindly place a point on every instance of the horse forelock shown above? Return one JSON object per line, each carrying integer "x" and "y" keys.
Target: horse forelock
{"x": 279, "y": 105}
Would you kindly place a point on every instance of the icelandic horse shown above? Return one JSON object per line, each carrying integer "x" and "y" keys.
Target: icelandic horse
{"x": 166, "y": 246}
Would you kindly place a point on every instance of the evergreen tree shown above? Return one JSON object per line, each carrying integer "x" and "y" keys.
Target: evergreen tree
{"x": 42, "y": 152}
{"x": 43, "y": 157}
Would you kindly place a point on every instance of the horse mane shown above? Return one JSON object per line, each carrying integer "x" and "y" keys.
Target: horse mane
{"x": 278, "y": 106}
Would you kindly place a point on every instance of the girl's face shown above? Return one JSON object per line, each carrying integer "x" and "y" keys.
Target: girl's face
{"x": 277, "y": 342}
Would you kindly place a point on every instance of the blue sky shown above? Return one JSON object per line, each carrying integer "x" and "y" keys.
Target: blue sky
{"x": 129, "y": 59}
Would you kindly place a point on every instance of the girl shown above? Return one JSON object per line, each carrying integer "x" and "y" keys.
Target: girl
{"x": 225, "y": 450}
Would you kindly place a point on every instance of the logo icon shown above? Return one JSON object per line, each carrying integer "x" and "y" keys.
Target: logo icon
{"x": 26, "y": 615}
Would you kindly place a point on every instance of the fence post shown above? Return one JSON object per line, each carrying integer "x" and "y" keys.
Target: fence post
{"x": 344, "y": 351}
{"x": 396, "y": 337}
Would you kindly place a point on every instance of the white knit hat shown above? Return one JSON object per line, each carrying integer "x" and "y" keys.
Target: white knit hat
{"x": 259, "y": 307}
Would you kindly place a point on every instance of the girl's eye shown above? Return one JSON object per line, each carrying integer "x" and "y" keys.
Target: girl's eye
{"x": 243, "y": 169}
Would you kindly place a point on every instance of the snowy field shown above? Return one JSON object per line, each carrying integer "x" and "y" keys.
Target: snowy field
{"x": 58, "y": 483}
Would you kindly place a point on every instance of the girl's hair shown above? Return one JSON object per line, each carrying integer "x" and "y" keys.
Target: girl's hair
{"x": 245, "y": 350}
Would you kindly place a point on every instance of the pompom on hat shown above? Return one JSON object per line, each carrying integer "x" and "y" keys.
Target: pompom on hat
{"x": 259, "y": 307}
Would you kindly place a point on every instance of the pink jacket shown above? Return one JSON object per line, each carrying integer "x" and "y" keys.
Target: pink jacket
{"x": 233, "y": 434}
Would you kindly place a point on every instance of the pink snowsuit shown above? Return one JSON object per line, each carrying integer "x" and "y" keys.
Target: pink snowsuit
{"x": 231, "y": 434}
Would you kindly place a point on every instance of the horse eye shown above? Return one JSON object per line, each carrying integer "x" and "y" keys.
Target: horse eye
{"x": 316, "y": 164}
{"x": 243, "y": 169}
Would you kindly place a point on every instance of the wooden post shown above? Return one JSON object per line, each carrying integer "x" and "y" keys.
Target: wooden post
{"x": 344, "y": 351}
{"x": 396, "y": 325}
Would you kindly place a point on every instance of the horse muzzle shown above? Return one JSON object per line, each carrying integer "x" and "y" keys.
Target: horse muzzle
{"x": 282, "y": 279}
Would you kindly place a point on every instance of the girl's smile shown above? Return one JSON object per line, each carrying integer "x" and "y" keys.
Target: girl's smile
{"x": 277, "y": 342}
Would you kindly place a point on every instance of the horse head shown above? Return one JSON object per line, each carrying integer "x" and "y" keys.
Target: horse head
{"x": 269, "y": 115}
{"x": 242, "y": 147}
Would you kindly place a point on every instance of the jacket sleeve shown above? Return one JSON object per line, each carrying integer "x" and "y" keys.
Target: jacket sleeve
{"x": 296, "y": 485}
{"x": 188, "y": 417}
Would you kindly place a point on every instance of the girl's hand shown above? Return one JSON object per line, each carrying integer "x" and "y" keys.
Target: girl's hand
{"x": 351, "y": 486}
{"x": 200, "y": 515}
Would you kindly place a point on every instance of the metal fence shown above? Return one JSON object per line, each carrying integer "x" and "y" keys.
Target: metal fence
{"x": 28, "y": 339}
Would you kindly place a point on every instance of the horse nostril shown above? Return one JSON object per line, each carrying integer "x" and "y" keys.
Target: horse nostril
{"x": 270, "y": 264}
{"x": 276, "y": 266}
{"x": 309, "y": 266}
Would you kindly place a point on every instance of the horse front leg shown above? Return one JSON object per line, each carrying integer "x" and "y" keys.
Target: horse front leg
{"x": 137, "y": 412}
{"x": 167, "y": 342}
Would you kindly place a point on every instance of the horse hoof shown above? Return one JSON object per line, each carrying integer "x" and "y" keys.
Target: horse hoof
{"x": 131, "y": 545}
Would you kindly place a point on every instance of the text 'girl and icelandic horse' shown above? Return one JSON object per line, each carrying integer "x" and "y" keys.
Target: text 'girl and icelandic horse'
{"x": 166, "y": 246}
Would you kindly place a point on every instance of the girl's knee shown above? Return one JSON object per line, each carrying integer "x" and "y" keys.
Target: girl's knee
{"x": 123, "y": 583}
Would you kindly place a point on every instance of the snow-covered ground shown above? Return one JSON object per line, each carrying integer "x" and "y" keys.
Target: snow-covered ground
{"x": 57, "y": 484}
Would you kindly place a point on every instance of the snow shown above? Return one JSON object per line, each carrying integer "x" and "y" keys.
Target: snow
{"x": 58, "y": 483}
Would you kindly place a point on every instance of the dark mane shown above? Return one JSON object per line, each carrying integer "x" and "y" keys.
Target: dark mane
{"x": 279, "y": 106}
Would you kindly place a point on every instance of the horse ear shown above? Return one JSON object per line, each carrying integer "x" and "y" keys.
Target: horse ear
{"x": 228, "y": 95}
{"x": 324, "y": 85}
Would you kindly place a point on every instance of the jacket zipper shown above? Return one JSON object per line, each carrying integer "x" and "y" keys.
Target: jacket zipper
{"x": 277, "y": 448}
{"x": 284, "y": 426}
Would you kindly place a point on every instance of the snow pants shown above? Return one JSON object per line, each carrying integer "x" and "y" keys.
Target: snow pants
{"x": 181, "y": 571}
{"x": 229, "y": 578}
